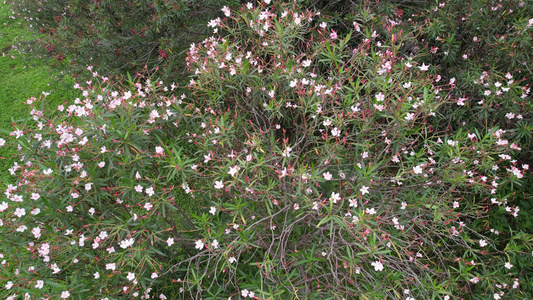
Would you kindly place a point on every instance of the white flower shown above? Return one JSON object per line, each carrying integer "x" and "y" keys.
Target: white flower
{"x": 379, "y": 107}
{"x": 327, "y": 176}
{"x": 378, "y": 266}
{"x": 170, "y": 241}
{"x": 380, "y": 97}
{"x": 126, "y": 243}
{"x": 199, "y": 245}
{"x": 39, "y": 284}
{"x": 2, "y": 142}
{"x": 233, "y": 170}
{"x": 4, "y": 206}
{"x": 110, "y": 267}
{"x": 226, "y": 11}
{"x": 214, "y": 244}
{"x": 423, "y": 67}
{"x": 159, "y": 150}
{"x": 232, "y": 260}
{"x": 417, "y": 170}
{"x": 150, "y": 191}
{"x": 47, "y": 172}
{"x": 364, "y": 190}
{"x": 19, "y": 212}
{"x": 335, "y": 197}
{"x": 148, "y": 206}
{"x": 482, "y": 243}
{"x": 154, "y": 275}
{"x": 219, "y": 185}
{"x": 65, "y": 294}
{"x": 245, "y": 293}
{"x": 212, "y": 210}
{"x": 130, "y": 276}
{"x": 508, "y": 265}
{"x": 287, "y": 152}
{"x": 335, "y": 132}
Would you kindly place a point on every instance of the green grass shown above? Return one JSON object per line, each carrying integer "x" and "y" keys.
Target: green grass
{"x": 22, "y": 75}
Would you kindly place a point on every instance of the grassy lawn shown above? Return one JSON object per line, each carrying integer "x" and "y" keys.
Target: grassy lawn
{"x": 21, "y": 76}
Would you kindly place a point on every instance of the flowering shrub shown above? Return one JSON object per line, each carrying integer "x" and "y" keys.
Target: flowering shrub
{"x": 319, "y": 165}
{"x": 94, "y": 212}
{"x": 326, "y": 168}
{"x": 119, "y": 36}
